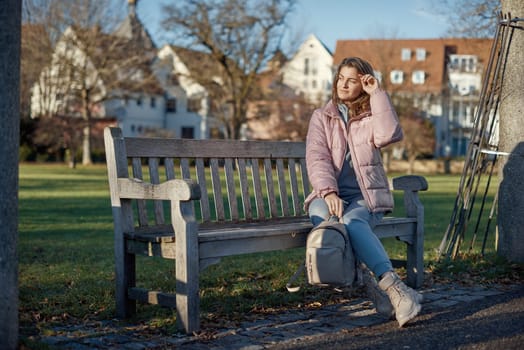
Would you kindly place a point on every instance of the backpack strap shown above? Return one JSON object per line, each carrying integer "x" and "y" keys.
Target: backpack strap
{"x": 301, "y": 269}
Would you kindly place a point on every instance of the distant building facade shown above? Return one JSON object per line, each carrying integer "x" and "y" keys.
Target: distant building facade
{"x": 310, "y": 71}
{"x": 170, "y": 104}
{"x": 443, "y": 76}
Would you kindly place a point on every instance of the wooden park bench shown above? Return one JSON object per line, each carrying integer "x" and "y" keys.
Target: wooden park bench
{"x": 226, "y": 197}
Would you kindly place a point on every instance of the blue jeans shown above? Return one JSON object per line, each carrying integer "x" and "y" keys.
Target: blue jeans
{"x": 359, "y": 223}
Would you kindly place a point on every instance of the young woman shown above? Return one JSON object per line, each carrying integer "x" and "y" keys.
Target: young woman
{"x": 348, "y": 177}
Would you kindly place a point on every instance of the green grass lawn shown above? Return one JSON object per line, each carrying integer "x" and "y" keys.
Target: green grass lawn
{"x": 66, "y": 256}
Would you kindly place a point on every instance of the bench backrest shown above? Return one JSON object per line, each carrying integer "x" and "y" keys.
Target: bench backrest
{"x": 239, "y": 180}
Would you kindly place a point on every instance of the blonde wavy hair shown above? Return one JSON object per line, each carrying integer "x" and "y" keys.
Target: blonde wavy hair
{"x": 361, "y": 104}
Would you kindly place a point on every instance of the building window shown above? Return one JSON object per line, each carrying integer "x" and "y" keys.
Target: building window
{"x": 139, "y": 101}
{"x": 396, "y": 76}
{"x": 171, "y": 105}
{"x": 306, "y": 66}
{"x": 463, "y": 63}
{"x": 471, "y": 65}
{"x": 152, "y": 102}
{"x": 313, "y": 67}
{"x": 188, "y": 132}
{"x": 314, "y": 84}
{"x": 174, "y": 79}
{"x": 193, "y": 104}
{"x": 418, "y": 77}
{"x": 421, "y": 54}
{"x": 405, "y": 54}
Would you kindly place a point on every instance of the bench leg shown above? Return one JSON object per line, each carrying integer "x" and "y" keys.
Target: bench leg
{"x": 415, "y": 262}
{"x": 125, "y": 275}
{"x": 125, "y": 279}
{"x": 187, "y": 274}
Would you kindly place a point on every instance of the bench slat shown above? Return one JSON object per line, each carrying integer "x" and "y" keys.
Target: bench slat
{"x": 231, "y": 189}
{"x": 165, "y": 147}
{"x": 270, "y": 188}
{"x": 155, "y": 179}
{"x": 170, "y": 168}
{"x": 282, "y": 186}
{"x": 294, "y": 186}
{"x": 184, "y": 168}
{"x": 204, "y": 198}
{"x": 141, "y": 204}
{"x": 217, "y": 190}
{"x": 259, "y": 200}
{"x": 244, "y": 188}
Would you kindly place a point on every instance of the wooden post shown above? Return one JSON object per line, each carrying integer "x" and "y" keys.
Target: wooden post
{"x": 10, "y": 32}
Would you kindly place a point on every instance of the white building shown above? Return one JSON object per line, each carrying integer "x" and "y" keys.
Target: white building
{"x": 167, "y": 103}
{"x": 310, "y": 71}
{"x": 187, "y": 108}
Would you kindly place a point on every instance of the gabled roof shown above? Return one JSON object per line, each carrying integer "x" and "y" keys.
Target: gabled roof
{"x": 133, "y": 29}
{"x": 113, "y": 56}
{"x": 311, "y": 37}
{"x": 195, "y": 61}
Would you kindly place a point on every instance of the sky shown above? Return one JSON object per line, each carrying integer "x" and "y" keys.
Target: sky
{"x": 332, "y": 20}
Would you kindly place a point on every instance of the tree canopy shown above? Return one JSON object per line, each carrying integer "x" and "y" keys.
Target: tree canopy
{"x": 240, "y": 36}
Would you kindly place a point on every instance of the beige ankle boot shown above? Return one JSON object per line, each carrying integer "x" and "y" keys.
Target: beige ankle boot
{"x": 379, "y": 298}
{"x": 405, "y": 300}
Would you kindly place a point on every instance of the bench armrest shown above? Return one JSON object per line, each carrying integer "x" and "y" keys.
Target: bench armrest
{"x": 178, "y": 190}
{"x": 410, "y": 183}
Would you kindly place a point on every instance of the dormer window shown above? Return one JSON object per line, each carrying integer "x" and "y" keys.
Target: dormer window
{"x": 396, "y": 76}
{"x": 421, "y": 54}
{"x": 405, "y": 54}
{"x": 418, "y": 77}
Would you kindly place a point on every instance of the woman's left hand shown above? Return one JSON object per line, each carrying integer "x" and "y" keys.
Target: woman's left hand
{"x": 369, "y": 83}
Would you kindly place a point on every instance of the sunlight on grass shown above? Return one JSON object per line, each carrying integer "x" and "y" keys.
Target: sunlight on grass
{"x": 66, "y": 254}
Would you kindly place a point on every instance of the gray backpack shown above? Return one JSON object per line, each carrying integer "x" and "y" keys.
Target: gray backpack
{"x": 330, "y": 260}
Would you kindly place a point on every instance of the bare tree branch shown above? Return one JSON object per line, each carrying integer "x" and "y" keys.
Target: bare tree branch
{"x": 240, "y": 36}
{"x": 90, "y": 64}
{"x": 469, "y": 18}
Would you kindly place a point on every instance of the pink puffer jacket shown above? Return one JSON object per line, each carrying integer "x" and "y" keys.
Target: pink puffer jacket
{"x": 326, "y": 144}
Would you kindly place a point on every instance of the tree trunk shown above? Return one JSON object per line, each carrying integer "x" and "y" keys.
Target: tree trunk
{"x": 10, "y": 31}
{"x": 86, "y": 145}
{"x": 511, "y": 191}
{"x": 86, "y": 134}
{"x": 411, "y": 164}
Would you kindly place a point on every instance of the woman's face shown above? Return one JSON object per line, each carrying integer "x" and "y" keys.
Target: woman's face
{"x": 349, "y": 86}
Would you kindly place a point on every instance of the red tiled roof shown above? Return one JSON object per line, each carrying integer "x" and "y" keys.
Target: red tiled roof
{"x": 385, "y": 56}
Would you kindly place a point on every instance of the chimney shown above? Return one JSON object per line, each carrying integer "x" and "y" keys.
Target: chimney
{"x": 132, "y": 6}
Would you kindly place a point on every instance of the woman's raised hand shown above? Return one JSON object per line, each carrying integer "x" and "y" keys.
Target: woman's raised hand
{"x": 369, "y": 83}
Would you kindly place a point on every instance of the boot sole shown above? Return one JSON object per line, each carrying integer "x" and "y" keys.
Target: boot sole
{"x": 405, "y": 319}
